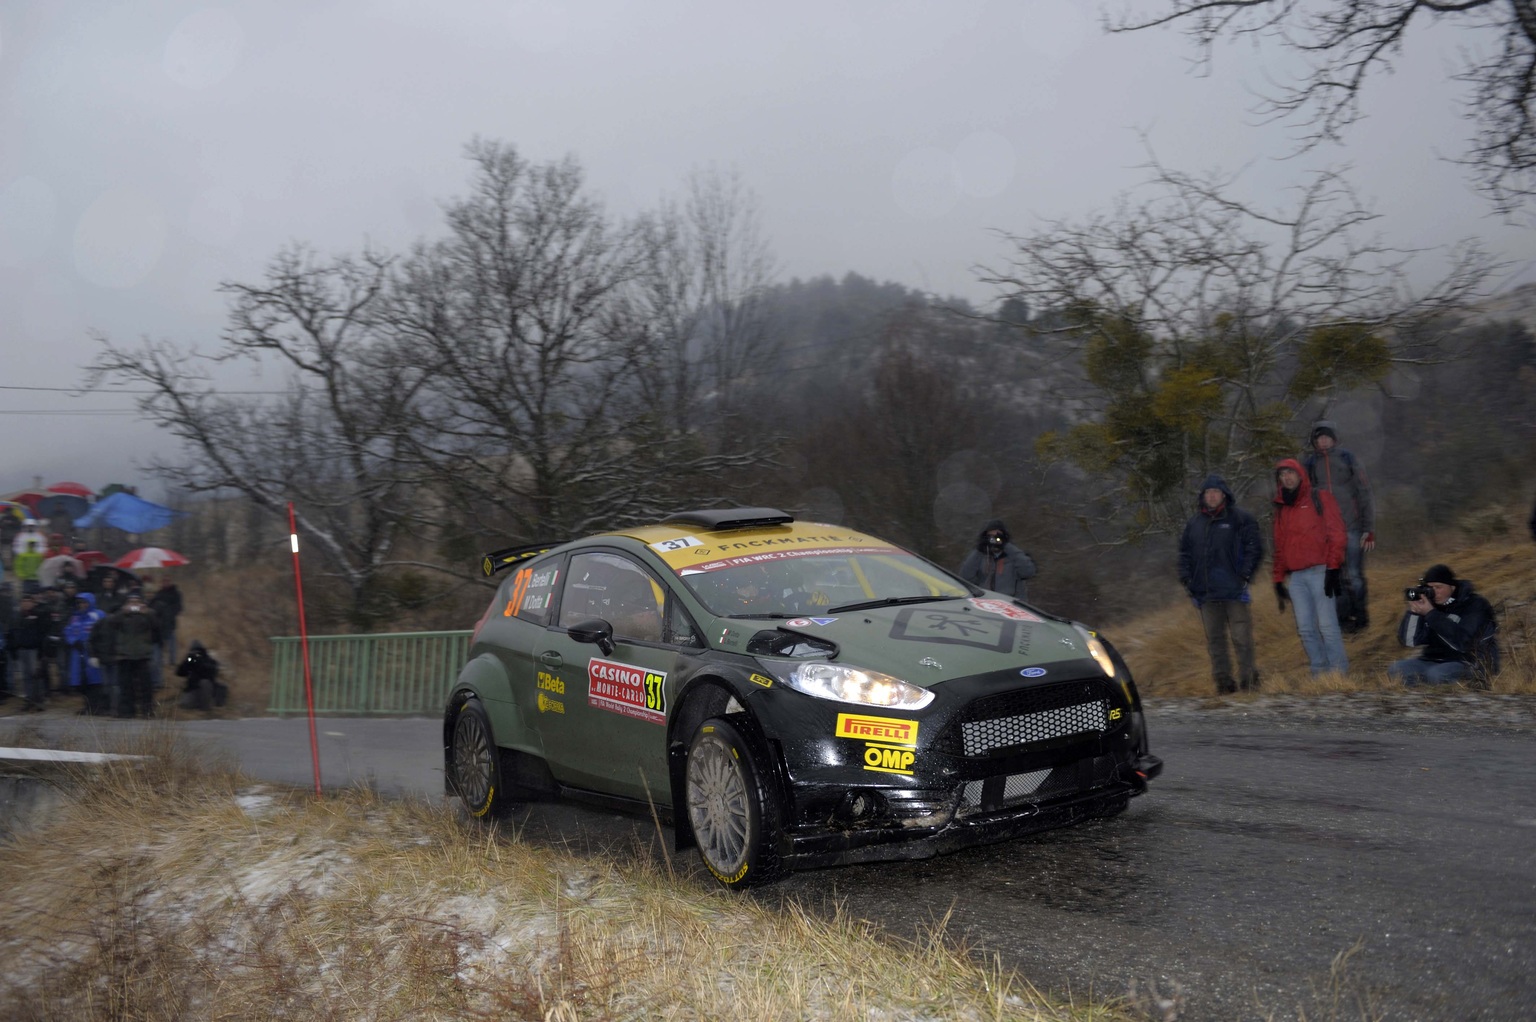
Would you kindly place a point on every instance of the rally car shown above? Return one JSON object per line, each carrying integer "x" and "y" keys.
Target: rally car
{"x": 787, "y": 695}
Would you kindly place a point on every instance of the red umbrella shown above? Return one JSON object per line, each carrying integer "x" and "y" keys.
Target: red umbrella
{"x": 149, "y": 557}
{"x": 73, "y": 489}
{"x": 91, "y": 558}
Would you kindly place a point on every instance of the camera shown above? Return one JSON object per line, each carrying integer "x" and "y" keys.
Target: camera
{"x": 1419, "y": 593}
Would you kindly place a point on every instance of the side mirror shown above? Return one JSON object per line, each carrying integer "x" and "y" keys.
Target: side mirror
{"x": 596, "y": 631}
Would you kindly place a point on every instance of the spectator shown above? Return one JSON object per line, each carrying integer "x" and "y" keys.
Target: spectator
{"x": 27, "y": 564}
{"x": 57, "y": 547}
{"x": 84, "y": 645}
{"x": 133, "y": 634}
{"x": 109, "y": 598}
{"x": 997, "y": 564}
{"x": 1309, "y": 551}
{"x": 1332, "y": 469}
{"x": 203, "y": 689}
{"x": 166, "y": 603}
{"x": 1455, "y": 626}
{"x": 1218, "y": 554}
{"x": 28, "y": 636}
{"x": 29, "y": 534}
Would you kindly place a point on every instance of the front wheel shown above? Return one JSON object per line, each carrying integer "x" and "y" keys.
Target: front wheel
{"x": 477, "y": 764}
{"x": 731, "y": 807}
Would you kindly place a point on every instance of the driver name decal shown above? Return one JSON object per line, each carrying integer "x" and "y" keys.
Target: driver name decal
{"x": 631, "y": 691}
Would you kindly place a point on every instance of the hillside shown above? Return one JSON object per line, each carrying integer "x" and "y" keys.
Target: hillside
{"x": 1166, "y": 647}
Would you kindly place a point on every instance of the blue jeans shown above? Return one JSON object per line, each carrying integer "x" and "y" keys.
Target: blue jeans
{"x": 1317, "y": 622}
{"x": 1414, "y": 671}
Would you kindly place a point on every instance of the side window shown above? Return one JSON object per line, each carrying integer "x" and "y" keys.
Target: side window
{"x": 532, "y": 591}
{"x": 680, "y": 628}
{"x": 616, "y": 589}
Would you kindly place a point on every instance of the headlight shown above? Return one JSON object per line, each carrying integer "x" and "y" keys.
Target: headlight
{"x": 1097, "y": 651}
{"x": 850, "y": 685}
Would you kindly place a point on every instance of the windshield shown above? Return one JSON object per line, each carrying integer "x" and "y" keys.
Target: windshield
{"x": 799, "y": 583}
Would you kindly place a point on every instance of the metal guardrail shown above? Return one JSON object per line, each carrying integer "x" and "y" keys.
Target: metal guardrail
{"x": 400, "y": 673}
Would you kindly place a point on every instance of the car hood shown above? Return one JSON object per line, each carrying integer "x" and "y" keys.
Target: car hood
{"x": 929, "y": 643}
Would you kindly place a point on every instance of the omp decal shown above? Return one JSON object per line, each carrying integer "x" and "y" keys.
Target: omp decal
{"x": 631, "y": 691}
{"x": 888, "y": 759}
{"x": 548, "y": 705}
{"x": 667, "y": 546}
{"x": 957, "y": 629}
{"x": 1005, "y": 609}
{"x": 550, "y": 683}
{"x": 760, "y": 679}
{"x": 890, "y": 730}
{"x": 1114, "y": 714}
{"x": 1033, "y": 672}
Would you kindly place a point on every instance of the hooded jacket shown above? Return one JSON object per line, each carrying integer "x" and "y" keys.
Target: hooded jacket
{"x": 1337, "y": 472}
{"x": 1007, "y": 571}
{"x": 1309, "y": 530}
{"x": 84, "y": 640}
{"x": 1463, "y": 628}
{"x": 1220, "y": 551}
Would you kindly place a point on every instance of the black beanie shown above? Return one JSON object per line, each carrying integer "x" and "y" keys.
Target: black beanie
{"x": 1439, "y": 573}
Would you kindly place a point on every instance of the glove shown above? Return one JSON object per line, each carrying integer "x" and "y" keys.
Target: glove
{"x": 94, "y": 662}
{"x": 1368, "y": 541}
{"x": 1331, "y": 583}
{"x": 1282, "y": 595}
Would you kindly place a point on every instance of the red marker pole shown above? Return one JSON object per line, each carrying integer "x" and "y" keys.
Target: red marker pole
{"x": 309, "y": 689}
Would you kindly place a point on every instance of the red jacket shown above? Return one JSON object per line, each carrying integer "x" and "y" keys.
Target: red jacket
{"x": 1305, "y": 538}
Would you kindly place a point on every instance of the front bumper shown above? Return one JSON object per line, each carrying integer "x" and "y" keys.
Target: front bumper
{"x": 997, "y": 762}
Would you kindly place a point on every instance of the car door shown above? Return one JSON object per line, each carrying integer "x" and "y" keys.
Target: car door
{"x": 612, "y": 734}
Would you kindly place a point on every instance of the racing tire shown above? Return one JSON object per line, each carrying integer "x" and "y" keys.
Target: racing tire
{"x": 732, "y": 807}
{"x": 477, "y": 764}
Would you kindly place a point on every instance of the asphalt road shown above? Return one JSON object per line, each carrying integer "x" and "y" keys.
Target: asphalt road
{"x": 1264, "y": 851}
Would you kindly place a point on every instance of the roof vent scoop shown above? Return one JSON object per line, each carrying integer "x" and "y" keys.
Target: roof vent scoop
{"x": 720, "y": 519}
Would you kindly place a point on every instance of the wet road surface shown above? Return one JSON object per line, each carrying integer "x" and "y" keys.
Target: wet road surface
{"x": 1262, "y": 853}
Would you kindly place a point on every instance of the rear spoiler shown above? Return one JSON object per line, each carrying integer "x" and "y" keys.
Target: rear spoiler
{"x": 494, "y": 561}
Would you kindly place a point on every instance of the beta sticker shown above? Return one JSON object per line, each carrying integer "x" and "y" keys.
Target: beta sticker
{"x": 631, "y": 691}
{"x": 806, "y": 622}
{"x": 1004, "y": 609}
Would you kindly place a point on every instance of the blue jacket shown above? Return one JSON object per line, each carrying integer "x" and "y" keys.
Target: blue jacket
{"x": 1219, "y": 552}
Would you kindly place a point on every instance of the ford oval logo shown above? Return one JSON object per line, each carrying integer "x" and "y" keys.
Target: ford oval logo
{"x": 1033, "y": 672}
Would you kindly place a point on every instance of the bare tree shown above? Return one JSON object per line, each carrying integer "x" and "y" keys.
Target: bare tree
{"x": 331, "y": 441}
{"x": 1208, "y": 325}
{"x": 701, "y": 297}
{"x": 1346, "y": 42}
{"x": 523, "y": 322}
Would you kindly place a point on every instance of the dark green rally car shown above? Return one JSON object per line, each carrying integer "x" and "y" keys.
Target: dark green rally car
{"x": 787, "y": 695}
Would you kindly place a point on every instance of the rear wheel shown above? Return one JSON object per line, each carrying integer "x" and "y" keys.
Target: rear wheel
{"x": 731, "y": 807}
{"x": 477, "y": 764}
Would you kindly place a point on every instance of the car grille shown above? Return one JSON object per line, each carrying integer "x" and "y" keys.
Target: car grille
{"x": 1026, "y": 716}
{"x": 1008, "y": 792}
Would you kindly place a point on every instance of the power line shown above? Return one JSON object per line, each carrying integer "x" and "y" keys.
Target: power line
{"x": 84, "y": 391}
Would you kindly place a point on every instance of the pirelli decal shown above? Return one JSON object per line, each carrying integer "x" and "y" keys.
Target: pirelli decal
{"x": 888, "y": 741}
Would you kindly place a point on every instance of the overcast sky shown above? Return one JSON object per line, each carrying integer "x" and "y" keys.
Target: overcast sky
{"x": 149, "y": 150}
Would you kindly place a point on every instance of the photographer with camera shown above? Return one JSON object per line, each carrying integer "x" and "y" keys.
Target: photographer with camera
{"x": 1456, "y": 627}
{"x": 997, "y": 564}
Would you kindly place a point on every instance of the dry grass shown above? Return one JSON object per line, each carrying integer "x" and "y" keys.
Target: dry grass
{"x": 1166, "y": 647}
{"x": 168, "y": 890}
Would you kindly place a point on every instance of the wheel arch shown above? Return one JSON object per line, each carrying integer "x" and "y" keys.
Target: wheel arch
{"x": 708, "y": 696}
